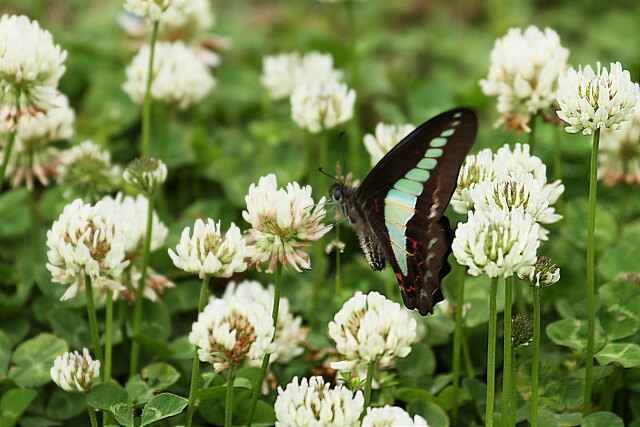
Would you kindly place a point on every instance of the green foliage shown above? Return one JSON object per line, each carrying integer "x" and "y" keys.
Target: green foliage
{"x": 416, "y": 60}
{"x": 34, "y": 358}
{"x": 115, "y": 400}
{"x": 13, "y": 404}
{"x": 161, "y": 406}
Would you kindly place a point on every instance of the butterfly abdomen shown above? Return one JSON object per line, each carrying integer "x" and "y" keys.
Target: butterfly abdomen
{"x": 372, "y": 251}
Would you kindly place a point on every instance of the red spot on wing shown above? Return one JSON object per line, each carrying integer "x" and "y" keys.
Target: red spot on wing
{"x": 417, "y": 279}
{"x": 410, "y": 289}
{"x": 414, "y": 245}
{"x": 399, "y": 277}
{"x": 377, "y": 206}
{"x": 420, "y": 263}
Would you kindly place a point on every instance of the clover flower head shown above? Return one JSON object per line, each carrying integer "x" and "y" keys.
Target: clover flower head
{"x": 516, "y": 191}
{"x": 385, "y": 138}
{"x": 283, "y": 222}
{"x": 391, "y": 416}
{"x": 311, "y": 402}
{"x": 86, "y": 168}
{"x": 476, "y": 169}
{"x": 521, "y": 330}
{"x": 497, "y": 243}
{"x": 74, "y": 372}
{"x": 207, "y": 253}
{"x": 519, "y": 160}
{"x": 282, "y": 73}
{"x": 165, "y": 11}
{"x": 524, "y": 70}
{"x": 591, "y": 100}
{"x": 231, "y": 330}
{"x": 289, "y": 333}
{"x": 371, "y": 327}
{"x": 86, "y": 240}
{"x": 146, "y": 174}
{"x": 619, "y": 156}
{"x": 30, "y": 66}
{"x": 542, "y": 274}
{"x": 179, "y": 77}
{"x": 319, "y": 106}
{"x": 131, "y": 215}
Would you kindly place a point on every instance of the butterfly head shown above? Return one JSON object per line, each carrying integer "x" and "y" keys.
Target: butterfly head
{"x": 336, "y": 192}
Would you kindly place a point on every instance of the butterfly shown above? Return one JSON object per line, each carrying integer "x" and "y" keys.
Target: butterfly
{"x": 397, "y": 211}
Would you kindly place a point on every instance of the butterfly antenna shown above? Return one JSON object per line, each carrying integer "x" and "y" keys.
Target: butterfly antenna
{"x": 329, "y": 175}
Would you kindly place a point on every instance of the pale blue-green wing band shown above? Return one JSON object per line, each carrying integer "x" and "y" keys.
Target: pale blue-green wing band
{"x": 411, "y": 187}
{"x": 427, "y": 163}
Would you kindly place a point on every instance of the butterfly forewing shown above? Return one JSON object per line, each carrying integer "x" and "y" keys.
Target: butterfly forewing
{"x": 403, "y": 199}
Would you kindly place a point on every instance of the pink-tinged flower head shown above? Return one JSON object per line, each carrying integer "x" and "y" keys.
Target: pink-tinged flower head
{"x": 283, "y": 222}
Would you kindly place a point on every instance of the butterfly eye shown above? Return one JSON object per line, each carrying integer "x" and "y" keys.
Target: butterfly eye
{"x": 336, "y": 192}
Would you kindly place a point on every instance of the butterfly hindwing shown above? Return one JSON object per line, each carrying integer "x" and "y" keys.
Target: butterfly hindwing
{"x": 403, "y": 199}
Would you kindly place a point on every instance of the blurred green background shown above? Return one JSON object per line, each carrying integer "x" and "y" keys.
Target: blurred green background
{"x": 416, "y": 59}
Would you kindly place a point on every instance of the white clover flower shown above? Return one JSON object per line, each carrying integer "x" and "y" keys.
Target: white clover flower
{"x": 282, "y": 221}
{"x": 476, "y": 169}
{"x": 312, "y": 403}
{"x": 601, "y": 100}
{"x": 74, "y": 372}
{"x": 519, "y": 160}
{"x": 86, "y": 240}
{"x": 619, "y": 153}
{"x": 385, "y": 138}
{"x": 496, "y": 243}
{"x": 207, "y": 253}
{"x": 391, "y": 416}
{"x": 30, "y": 66}
{"x": 544, "y": 273}
{"x": 230, "y": 330}
{"x": 516, "y": 191}
{"x": 523, "y": 74}
{"x": 320, "y": 106}
{"x": 289, "y": 331}
{"x": 283, "y": 73}
{"x": 449, "y": 310}
{"x": 87, "y": 169}
{"x": 165, "y": 11}
{"x": 32, "y": 155}
{"x": 371, "y": 327}
{"x": 131, "y": 215}
{"x": 179, "y": 77}
{"x": 146, "y": 174}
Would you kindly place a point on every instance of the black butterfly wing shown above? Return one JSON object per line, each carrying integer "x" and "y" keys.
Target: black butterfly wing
{"x": 404, "y": 197}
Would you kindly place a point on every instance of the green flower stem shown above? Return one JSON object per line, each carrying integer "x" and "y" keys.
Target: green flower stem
{"x": 535, "y": 360}
{"x": 371, "y": 371}
{"x": 512, "y": 389}
{"x": 532, "y": 134}
{"x": 228, "y": 404}
{"x": 457, "y": 343}
{"x": 338, "y": 280}
{"x": 108, "y": 336}
{"x": 7, "y": 153}
{"x": 265, "y": 360}
{"x": 193, "y": 388}
{"x": 93, "y": 320}
{"x": 467, "y": 357}
{"x": 318, "y": 257}
{"x": 92, "y": 416}
{"x": 506, "y": 366}
{"x": 137, "y": 309}
{"x": 354, "y": 140}
{"x": 591, "y": 278}
{"x": 146, "y": 107}
{"x": 491, "y": 353}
